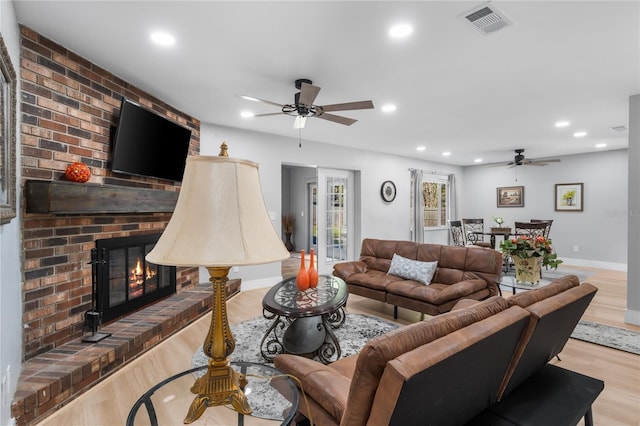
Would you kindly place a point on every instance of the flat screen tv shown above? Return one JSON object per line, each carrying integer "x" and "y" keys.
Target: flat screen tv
{"x": 147, "y": 144}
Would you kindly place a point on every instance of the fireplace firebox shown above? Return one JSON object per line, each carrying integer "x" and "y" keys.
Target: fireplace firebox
{"x": 125, "y": 281}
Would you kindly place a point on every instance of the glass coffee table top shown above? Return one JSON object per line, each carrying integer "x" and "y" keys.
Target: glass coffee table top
{"x": 274, "y": 400}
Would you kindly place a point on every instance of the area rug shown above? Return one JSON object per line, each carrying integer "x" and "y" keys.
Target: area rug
{"x": 605, "y": 335}
{"x": 356, "y": 331}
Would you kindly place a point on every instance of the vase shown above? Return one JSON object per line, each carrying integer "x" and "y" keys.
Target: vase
{"x": 302, "y": 279}
{"x": 528, "y": 269}
{"x": 312, "y": 272}
{"x": 287, "y": 243}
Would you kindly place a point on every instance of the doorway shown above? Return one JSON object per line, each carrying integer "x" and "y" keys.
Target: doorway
{"x": 323, "y": 202}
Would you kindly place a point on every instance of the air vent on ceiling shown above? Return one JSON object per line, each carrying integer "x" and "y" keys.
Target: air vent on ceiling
{"x": 618, "y": 128}
{"x": 487, "y": 18}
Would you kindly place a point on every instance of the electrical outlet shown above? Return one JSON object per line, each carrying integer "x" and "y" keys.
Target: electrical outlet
{"x": 576, "y": 249}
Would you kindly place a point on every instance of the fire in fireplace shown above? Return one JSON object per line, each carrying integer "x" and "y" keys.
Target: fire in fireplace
{"x": 125, "y": 281}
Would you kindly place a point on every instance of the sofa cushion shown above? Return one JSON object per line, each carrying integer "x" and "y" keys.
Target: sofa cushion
{"x": 412, "y": 269}
{"x": 436, "y": 293}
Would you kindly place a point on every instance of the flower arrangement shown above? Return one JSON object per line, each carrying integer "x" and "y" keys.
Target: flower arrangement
{"x": 527, "y": 247}
{"x": 498, "y": 220}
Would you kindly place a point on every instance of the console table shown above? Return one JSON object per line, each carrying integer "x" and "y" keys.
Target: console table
{"x": 552, "y": 396}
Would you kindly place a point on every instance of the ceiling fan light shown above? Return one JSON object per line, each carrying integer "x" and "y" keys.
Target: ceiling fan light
{"x": 299, "y": 122}
{"x": 247, "y": 114}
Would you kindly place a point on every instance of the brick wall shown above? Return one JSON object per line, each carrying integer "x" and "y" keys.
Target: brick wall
{"x": 68, "y": 107}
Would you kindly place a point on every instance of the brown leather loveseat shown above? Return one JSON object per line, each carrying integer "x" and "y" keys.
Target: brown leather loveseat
{"x": 461, "y": 273}
{"x": 448, "y": 369}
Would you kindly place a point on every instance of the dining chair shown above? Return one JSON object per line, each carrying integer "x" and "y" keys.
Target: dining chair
{"x": 547, "y": 221}
{"x": 457, "y": 234}
{"x": 532, "y": 229}
{"x": 471, "y": 226}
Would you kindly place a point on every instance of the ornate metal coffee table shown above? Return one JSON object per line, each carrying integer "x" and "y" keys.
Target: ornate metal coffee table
{"x": 303, "y": 321}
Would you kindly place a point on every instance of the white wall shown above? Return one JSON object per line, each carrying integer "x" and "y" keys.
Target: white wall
{"x": 378, "y": 220}
{"x": 600, "y": 231}
{"x": 10, "y": 273}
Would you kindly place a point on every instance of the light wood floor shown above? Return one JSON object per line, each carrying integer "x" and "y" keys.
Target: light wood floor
{"x": 619, "y": 404}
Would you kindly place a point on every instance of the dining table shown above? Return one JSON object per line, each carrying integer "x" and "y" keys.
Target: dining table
{"x": 493, "y": 233}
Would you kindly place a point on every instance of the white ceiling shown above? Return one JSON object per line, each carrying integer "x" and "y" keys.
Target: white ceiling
{"x": 455, "y": 88}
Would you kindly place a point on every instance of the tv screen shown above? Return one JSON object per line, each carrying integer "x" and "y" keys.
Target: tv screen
{"x": 147, "y": 144}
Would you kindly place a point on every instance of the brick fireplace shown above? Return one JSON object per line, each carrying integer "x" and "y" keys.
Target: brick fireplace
{"x": 68, "y": 107}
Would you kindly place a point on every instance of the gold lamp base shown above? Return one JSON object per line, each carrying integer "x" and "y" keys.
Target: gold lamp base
{"x": 221, "y": 385}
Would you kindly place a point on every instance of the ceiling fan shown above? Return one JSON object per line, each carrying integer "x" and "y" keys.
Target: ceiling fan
{"x": 520, "y": 160}
{"x": 303, "y": 106}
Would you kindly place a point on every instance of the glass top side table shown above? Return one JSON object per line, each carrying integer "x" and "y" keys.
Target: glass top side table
{"x": 274, "y": 400}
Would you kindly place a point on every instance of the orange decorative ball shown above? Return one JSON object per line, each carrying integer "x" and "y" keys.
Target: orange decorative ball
{"x": 78, "y": 172}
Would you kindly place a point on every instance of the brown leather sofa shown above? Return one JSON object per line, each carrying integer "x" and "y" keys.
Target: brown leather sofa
{"x": 462, "y": 273}
{"x": 446, "y": 370}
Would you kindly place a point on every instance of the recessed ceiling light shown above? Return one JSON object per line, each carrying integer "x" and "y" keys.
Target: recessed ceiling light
{"x": 421, "y": 148}
{"x": 163, "y": 39}
{"x": 400, "y": 30}
{"x": 601, "y": 145}
{"x": 580, "y": 134}
{"x": 247, "y": 114}
{"x": 446, "y": 153}
{"x": 478, "y": 160}
{"x": 388, "y": 108}
{"x": 562, "y": 124}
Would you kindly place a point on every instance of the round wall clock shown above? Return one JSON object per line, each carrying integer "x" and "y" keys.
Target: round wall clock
{"x": 388, "y": 191}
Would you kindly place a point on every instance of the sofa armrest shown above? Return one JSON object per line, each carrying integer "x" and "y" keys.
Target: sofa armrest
{"x": 321, "y": 383}
{"x": 345, "y": 269}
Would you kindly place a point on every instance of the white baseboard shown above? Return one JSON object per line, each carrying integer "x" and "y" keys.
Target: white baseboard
{"x": 595, "y": 264}
{"x": 632, "y": 317}
{"x": 260, "y": 283}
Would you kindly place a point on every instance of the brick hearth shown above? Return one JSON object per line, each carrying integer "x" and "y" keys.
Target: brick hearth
{"x": 54, "y": 378}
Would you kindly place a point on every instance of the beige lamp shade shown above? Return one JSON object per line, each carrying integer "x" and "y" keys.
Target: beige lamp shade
{"x": 220, "y": 218}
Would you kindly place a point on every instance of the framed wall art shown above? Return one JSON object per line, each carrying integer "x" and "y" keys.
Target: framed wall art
{"x": 569, "y": 197}
{"x": 510, "y": 196}
{"x": 8, "y": 136}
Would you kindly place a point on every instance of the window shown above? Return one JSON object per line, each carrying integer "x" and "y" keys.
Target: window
{"x": 435, "y": 196}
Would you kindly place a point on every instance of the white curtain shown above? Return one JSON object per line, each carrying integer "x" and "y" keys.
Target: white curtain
{"x": 453, "y": 198}
{"x": 417, "y": 213}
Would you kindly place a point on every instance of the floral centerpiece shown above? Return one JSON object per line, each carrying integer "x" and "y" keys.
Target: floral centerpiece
{"x": 529, "y": 254}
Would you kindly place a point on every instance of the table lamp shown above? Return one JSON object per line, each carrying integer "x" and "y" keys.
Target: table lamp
{"x": 220, "y": 221}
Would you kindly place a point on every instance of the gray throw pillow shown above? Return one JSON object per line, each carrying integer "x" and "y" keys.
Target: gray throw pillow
{"x": 412, "y": 269}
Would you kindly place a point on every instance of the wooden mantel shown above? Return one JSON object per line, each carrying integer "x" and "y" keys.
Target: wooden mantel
{"x": 61, "y": 197}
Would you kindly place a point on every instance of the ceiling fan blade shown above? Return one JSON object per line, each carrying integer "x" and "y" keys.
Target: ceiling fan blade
{"x": 348, "y": 106}
{"x": 308, "y": 93}
{"x": 268, "y": 114}
{"x": 337, "y": 119}
{"x": 251, "y": 98}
